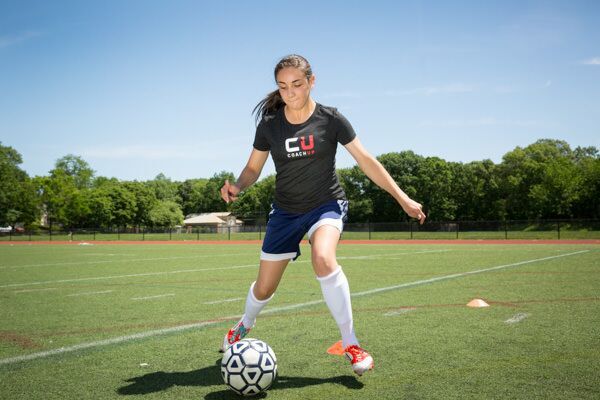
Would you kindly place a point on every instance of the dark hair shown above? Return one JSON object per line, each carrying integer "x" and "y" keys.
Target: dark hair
{"x": 273, "y": 101}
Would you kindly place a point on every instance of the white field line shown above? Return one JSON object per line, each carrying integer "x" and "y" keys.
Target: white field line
{"x": 89, "y": 293}
{"x": 128, "y": 260}
{"x": 96, "y": 278}
{"x": 34, "y": 290}
{"x": 158, "y": 332}
{"x": 172, "y": 258}
{"x": 153, "y": 297}
{"x": 223, "y": 301}
{"x": 399, "y": 312}
{"x": 392, "y": 254}
{"x": 515, "y": 319}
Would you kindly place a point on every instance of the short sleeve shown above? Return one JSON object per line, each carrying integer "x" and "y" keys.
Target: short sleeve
{"x": 260, "y": 138}
{"x": 343, "y": 129}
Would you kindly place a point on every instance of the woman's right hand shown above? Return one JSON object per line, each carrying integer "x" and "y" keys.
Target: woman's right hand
{"x": 229, "y": 192}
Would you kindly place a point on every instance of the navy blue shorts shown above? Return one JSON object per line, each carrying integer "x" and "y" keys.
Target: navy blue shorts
{"x": 285, "y": 230}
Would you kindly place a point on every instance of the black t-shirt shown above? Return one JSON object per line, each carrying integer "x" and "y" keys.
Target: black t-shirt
{"x": 304, "y": 156}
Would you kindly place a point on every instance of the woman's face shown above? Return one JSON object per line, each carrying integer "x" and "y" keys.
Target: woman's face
{"x": 294, "y": 87}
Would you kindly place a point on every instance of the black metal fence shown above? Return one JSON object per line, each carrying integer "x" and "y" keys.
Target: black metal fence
{"x": 539, "y": 229}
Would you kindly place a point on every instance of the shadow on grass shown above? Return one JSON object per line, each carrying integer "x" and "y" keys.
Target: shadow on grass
{"x": 211, "y": 376}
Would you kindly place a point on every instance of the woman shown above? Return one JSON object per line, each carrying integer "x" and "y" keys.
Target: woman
{"x": 302, "y": 137}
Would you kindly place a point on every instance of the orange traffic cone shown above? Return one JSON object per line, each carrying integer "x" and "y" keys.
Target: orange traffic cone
{"x": 336, "y": 349}
{"x": 477, "y": 303}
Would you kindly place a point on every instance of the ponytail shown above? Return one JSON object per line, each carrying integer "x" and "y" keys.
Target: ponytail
{"x": 269, "y": 105}
{"x": 273, "y": 102}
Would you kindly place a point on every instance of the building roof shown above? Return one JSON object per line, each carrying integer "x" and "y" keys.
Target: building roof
{"x": 210, "y": 219}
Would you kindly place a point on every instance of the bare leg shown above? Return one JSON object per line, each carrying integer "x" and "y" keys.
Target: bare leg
{"x": 334, "y": 283}
{"x": 269, "y": 276}
{"x": 261, "y": 291}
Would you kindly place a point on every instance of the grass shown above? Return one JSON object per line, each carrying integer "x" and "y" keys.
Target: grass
{"x": 565, "y": 234}
{"x": 426, "y": 343}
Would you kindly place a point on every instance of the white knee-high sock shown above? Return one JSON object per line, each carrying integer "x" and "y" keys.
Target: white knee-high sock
{"x": 336, "y": 292}
{"x": 253, "y": 307}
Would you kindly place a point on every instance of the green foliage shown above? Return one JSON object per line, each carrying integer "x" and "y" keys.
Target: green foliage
{"x": 164, "y": 188}
{"x": 18, "y": 200}
{"x": 546, "y": 179}
{"x": 192, "y": 193}
{"x": 543, "y": 180}
{"x": 145, "y": 200}
{"x": 255, "y": 202}
{"x": 77, "y": 168}
{"x": 165, "y": 213}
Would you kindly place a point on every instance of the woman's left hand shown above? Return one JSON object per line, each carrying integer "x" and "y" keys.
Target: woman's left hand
{"x": 414, "y": 209}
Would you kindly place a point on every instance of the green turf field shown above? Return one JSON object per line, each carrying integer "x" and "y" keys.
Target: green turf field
{"x": 145, "y": 321}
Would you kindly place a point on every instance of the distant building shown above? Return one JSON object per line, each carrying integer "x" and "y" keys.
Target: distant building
{"x": 217, "y": 222}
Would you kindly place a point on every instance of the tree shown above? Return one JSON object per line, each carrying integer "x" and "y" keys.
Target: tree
{"x": 192, "y": 193}
{"x": 475, "y": 190}
{"x": 587, "y": 161}
{"x": 145, "y": 200}
{"x": 18, "y": 200}
{"x": 58, "y": 195}
{"x": 539, "y": 181}
{"x": 77, "y": 168}
{"x": 123, "y": 202}
{"x": 165, "y": 213}
{"x": 406, "y": 169}
{"x": 354, "y": 183}
{"x": 164, "y": 188}
{"x": 212, "y": 201}
{"x": 435, "y": 185}
{"x": 255, "y": 202}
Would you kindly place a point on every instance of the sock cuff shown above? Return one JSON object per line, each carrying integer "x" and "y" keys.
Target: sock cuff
{"x": 251, "y": 293}
{"x": 331, "y": 276}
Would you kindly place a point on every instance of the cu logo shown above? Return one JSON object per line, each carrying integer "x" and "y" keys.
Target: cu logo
{"x": 291, "y": 144}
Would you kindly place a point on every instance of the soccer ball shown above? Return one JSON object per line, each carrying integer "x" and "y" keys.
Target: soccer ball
{"x": 249, "y": 366}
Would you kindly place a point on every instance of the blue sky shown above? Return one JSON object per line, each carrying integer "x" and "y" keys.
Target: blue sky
{"x": 141, "y": 87}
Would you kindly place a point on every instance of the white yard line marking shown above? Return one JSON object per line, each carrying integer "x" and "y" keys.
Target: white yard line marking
{"x": 34, "y": 290}
{"x": 153, "y": 297}
{"x": 97, "y": 278}
{"x": 128, "y": 260}
{"x": 224, "y": 301}
{"x": 89, "y": 293}
{"x": 399, "y": 312}
{"x": 162, "y": 273}
{"x": 515, "y": 319}
{"x": 461, "y": 274}
{"x": 392, "y": 254}
{"x": 181, "y": 328}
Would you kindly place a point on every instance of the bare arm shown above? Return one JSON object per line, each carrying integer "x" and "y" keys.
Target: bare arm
{"x": 378, "y": 174}
{"x": 249, "y": 175}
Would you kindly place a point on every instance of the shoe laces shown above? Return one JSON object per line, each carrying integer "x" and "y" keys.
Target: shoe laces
{"x": 356, "y": 353}
{"x": 237, "y": 333}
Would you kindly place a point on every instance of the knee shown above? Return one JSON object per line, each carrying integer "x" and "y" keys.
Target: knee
{"x": 262, "y": 292}
{"x": 324, "y": 263}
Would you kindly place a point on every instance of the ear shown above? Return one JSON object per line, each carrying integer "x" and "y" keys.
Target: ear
{"x": 311, "y": 81}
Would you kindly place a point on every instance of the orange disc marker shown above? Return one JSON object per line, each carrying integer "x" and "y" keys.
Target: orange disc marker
{"x": 336, "y": 349}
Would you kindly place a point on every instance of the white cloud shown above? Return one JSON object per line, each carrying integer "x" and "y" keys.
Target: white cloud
{"x": 481, "y": 122}
{"x": 142, "y": 152}
{"x": 433, "y": 90}
{"x": 342, "y": 95}
{"x": 592, "y": 61}
{"x": 10, "y": 40}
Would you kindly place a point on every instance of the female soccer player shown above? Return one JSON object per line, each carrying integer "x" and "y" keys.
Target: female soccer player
{"x": 302, "y": 137}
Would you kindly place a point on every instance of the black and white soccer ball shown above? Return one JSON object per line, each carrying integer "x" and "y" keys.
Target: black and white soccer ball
{"x": 249, "y": 367}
